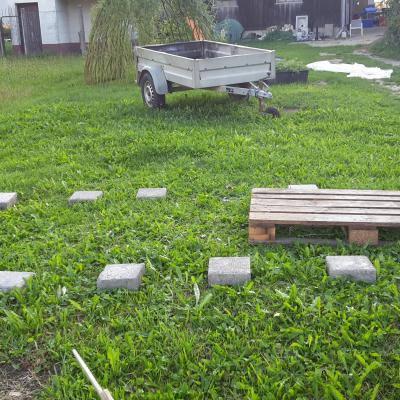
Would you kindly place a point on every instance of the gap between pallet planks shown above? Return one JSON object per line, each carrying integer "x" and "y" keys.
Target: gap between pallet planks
{"x": 361, "y": 212}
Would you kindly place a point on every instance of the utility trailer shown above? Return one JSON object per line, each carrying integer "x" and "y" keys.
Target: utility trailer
{"x": 239, "y": 71}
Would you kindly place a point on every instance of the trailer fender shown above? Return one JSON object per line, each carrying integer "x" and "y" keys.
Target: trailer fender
{"x": 159, "y": 79}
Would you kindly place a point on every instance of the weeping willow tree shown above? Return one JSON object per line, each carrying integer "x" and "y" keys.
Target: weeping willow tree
{"x": 109, "y": 53}
{"x": 109, "y": 48}
{"x": 176, "y": 14}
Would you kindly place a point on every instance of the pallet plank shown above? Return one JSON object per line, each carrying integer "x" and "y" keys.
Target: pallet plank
{"x": 327, "y": 203}
{"x": 328, "y": 191}
{"x": 324, "y": 219}
{"x": 309, "y": 196}
{"x": 323, "y": 210}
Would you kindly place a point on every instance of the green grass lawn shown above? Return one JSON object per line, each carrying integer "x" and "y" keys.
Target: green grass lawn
{"x": 292, "y": 333}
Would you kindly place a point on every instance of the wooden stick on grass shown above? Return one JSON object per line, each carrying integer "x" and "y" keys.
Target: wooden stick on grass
{"x": 104, "y": 394}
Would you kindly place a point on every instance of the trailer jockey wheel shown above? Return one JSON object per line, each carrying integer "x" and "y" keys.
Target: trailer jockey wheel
{"x": 273, "y": 111}
{"x": 269, "y": 110}
{"x": 150, "y": 97}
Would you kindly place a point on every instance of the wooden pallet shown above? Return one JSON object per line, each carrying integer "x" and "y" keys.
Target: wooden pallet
{"x": 360, "y": 212}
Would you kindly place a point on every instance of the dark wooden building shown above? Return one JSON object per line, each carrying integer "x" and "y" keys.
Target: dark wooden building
{"x": 261, "y": 14}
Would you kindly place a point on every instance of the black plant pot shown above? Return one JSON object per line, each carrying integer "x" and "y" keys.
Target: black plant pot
{"x": 283, "y": 77}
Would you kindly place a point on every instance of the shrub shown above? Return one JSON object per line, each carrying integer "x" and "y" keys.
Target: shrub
{"x": 279, "y": 36}
{"x": 229, "y": 30}
{"x": 389, "y": 46}
{"x": 393, "y": 33}
{"x": 294, "y": 65}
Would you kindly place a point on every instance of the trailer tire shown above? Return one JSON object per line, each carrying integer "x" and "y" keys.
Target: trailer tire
{"x": 273, "y": 111}
{"x": 149, "y": 94}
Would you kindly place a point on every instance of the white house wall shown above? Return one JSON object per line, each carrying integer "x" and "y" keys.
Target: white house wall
{"x": 74, "y": 18}
{"x": 60, "y": 23}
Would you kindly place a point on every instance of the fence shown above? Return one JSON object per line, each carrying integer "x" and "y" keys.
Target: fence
{"x": 6, "y": 21}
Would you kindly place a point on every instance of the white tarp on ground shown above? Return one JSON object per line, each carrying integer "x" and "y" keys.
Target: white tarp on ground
{"x": 353, "y": 70}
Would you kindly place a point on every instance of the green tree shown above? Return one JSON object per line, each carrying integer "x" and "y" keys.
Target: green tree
{"x": 393, "y": 34}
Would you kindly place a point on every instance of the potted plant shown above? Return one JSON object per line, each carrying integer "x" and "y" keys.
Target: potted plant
{"x": 291, "y": 71}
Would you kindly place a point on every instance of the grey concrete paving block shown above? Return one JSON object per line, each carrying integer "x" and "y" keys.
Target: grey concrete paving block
{"x": 7, "y": 200}
{"x": 229, "y": 270}
{"x": 12, "y": 279}
{"x": 303, "y": 187}
{"x": 121, "y": 276}
{"x": 81, "y": 196}
{"x": 358, "y": 268}
{"x": 151, "y": 193}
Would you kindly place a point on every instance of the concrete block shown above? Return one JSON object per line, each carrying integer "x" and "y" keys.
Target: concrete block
{"x": 81, "y": 196}
{"x": 151, "y": 193}
{"x": 303, "y": 187}
{"x": 358, "y": 268}
{"x": 121, "y": 276}
{"x": 11, "y": 280}
{"x": 7, "y": 200}
{"x": 229, "y": 270}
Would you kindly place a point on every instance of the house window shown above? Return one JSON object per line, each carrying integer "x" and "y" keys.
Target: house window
{"x": 289, "y": 1}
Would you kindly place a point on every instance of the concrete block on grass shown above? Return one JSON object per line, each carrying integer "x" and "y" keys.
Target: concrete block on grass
{"x": 7, "y": 200}
{"x": 358, "y": 268}
{"x": 82, "y": 196}
{"x": 303, "y": 187}
{"x": 151, "y": 193}
{"x": 121, "y": 276}
{"x": 10, "y": 280}
{"x": 229, "y": 270}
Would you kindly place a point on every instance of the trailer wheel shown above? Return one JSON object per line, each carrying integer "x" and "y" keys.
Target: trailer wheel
{"x": 273, "y": 111}
{"x": 150, "y": 97}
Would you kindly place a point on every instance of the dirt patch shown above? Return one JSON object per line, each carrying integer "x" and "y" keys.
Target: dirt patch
{"x": 19, "y": 384}
{"x": 370, "y": 36}
{"x": 390, "y": 86}
{"x": 291, "y": 110}
{"x": 336, "y": 61}
{"x": 366, "y": 53}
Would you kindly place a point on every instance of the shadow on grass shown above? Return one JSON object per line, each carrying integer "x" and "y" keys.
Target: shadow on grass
{"x": 197, "y": 108}
{"x": 334, "y": 233}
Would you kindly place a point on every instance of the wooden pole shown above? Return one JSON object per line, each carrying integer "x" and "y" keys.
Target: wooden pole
{"x": 82, "y": 38}
{"x": 104, "y": 394}
{"x": 2, "y": 43}
{"x": 23, "y": 25}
